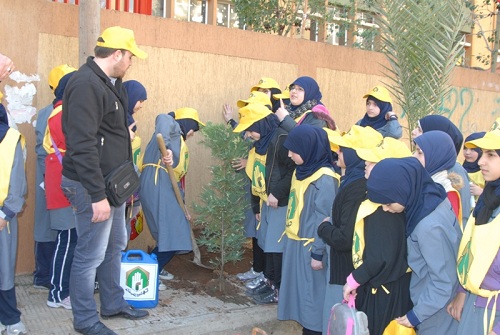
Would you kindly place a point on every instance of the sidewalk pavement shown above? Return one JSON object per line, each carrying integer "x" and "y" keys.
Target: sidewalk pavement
{"x": 179, "y": 312}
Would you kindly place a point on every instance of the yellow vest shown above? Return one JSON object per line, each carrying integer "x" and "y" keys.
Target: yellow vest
{"x": 256, "y": 171}
{"x": 358, "y": 239}
{"x": 179, "y": 171}
{"x": 478, "y": 248}
{"x": 477, "y": 178}
{"x": 136, "y": 150}
{"x": 8, "y": 150}
{"x": 47, "y": 142}
{"x": 182, "y": 168}
{"x": 296, "y": 203}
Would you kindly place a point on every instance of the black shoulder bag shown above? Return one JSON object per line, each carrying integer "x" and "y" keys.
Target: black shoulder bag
{"x": 121, "y": 183}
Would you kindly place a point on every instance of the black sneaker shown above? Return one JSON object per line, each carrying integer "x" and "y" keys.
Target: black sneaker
{"x": 269, "y": 298}
{"x": 263, "y": 288}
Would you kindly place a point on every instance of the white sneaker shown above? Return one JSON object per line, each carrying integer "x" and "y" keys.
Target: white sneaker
{"x": 251, "y": 284}
{"x": 165, "y": 275}
{"x": 250, "y": 274}
{"x": 17, "y": 329}
{"x": 162, "y": 287}
{"x": 66, "y": 303}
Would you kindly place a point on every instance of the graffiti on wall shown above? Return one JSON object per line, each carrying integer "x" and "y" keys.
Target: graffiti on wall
{"x": 458, "y": 105}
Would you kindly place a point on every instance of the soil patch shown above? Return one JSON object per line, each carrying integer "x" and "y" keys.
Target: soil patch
{"x": 199, "y": 280}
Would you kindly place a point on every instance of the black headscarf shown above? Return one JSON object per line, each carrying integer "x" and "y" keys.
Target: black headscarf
{"x": 488, "y": 201}
{"x": 312, "y": 96}
{"x": 355, "y": 167}
{"x": 186, "y": 125}
{"x": 439, "y": 122}
{"x": 312, "y": 144}
{"x": 136, "y": 92}
{"x": 4, "y": 122}
{"x": 61, "y": 86}
{"x": 438, "y": 151}
{"x": 406, "y": 182}
{"x": 378, "y": 121}
{"x": 265, "y": 128}
{"x": 472, "y": 167}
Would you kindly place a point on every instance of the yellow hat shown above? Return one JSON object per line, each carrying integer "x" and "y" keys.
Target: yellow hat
{"x": 490, "y": 141}
{"x": 120, "y": 38}
{"x": 388, "y": 148}
{"x": 255, "y": 97}
{"x": 285, "y": 94}
{"x": 266, "y": 83}
{"x": 249, "y": 115}
{"x": 188, "y": 113}
{"x": 57, "y": 73}
{"x": 332, "y": 135}
{"x": 359, "y": 137}
{"x": 380, "y": 93}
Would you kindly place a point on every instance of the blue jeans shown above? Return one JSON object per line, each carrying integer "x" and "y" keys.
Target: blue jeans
{"x": 98, "y": 251}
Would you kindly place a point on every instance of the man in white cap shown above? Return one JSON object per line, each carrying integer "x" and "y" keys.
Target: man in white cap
{"x": 94, "y": 122}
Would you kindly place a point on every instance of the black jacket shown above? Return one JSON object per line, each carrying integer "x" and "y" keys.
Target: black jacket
{"x": 94, "y": 122}
{"x": 279, "y": 171}
{"x": 338, "y": 234}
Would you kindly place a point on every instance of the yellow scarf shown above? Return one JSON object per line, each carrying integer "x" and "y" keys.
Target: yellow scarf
{"x": 182, "y": 168}
{"x": 179, "y": 171}
{"x": 256, "y": 171}
{"x": 47, "y": 141}
{"x": 358, "y": 239}
{"x": 8, "y": 150}
{"x": 296, "y": 203}
{"x": 478, "y": 248}
{"x": 136, "y": 149}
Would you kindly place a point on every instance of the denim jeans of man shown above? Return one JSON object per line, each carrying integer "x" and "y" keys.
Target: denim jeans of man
{"x": 98, "y": 250}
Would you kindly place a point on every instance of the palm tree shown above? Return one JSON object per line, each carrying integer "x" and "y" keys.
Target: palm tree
{"x": 420, "y": 40}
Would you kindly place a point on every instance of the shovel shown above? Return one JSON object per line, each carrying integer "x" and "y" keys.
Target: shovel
{"x": 178, "y": 196}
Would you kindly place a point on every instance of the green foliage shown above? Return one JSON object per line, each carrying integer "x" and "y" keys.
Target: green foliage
{"x": 278, "y": 16}
{"x": 491, "y": 37}
{"x": 223, "y": 198}
{"x": 420, "y": 42}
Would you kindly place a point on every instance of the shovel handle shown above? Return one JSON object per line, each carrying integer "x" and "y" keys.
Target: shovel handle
{"x": 170, "y": 170}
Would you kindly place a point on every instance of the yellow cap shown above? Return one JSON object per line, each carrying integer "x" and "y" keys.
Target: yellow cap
{"x": 188, "y": 113}
{"x": 57, "y": 73}
{"x": 380, "y": 93}
{"x": 249, "y": 115}
{"x": 255, "y": 97}
{"x": 332, "y": 135}
{"x": 490, "y": 141}
{"x": 388, "y": 148}
{"x": 120, "y": 38}
{"x": 359, "y": 137}
{"x": 265, "y": 82}
{"x": 285, "y": 94}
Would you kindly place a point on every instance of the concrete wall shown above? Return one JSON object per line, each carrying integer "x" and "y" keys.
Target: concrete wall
{"x": 202, "y": 66}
